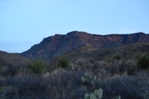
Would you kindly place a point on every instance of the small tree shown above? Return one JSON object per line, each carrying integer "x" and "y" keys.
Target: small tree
{"x": 143, "y": 62}
{"x": 63, "y": 62}
{"x": 37, "y": 67}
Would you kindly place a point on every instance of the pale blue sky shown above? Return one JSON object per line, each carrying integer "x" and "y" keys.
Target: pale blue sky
{"x": 24, "y": 23}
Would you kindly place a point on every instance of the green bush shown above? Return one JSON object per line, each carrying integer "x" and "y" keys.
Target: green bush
{"x": 143, "y": 62}
{"x": 37, "y": 67}
{"x": 63, "y": 62}
{"x": 118, "y": 57}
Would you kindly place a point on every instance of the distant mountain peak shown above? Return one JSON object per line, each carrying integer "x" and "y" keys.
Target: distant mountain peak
{"x": 72, "y": 32}
{"x": 77, "y": 33}
{"x": 57, "y": 45}
{"x": 139, "y": 33}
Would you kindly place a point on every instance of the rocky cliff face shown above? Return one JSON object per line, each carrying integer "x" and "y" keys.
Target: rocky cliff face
{"x": 57, "y": 45}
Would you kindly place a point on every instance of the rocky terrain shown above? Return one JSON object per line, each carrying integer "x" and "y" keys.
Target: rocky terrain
{"x": 54, "y": 46}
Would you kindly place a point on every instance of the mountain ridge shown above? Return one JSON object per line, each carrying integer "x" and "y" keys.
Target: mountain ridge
{"x": 54, "y": 46}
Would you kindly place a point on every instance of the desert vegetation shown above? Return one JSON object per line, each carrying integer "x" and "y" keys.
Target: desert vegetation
{"x": 118, "y": 73}
{"x": 37, "y": 67}
{"x": 63, "y": 62}
{"x": 143, "y": 62}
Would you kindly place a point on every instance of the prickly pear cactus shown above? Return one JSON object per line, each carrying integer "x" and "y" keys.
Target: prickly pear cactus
{"x": 117, "y": 97}
{"x": 87, "y": 78}
{"x": 87, "y": 75}
{"x": 98, "y": 93}
{"x": 92, "y": 96}
{"x": 83, "y": 79}
{"x": 90, "y": 81}
{"x": 87, "y": 96}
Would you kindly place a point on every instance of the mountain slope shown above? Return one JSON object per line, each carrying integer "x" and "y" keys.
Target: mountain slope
{"x": 11, "y": 59}
{"x": 54, "y": 46}
{"x": 122, "y": 59}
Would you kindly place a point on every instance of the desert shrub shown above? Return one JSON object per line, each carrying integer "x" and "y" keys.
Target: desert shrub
{"x": 91, "y": 61}
{"x": 63, "y": 62}
{"x": 67, "y": 85}
{"x": 24, "y": 87}
{"x": 143, "y": 62}
{"x": 62, "y": 85}
{"x": 118, "y": 57}
{"x": 37, "y": 67}
{"x": 10, "y": 70}
{"x": 129, "y": 87}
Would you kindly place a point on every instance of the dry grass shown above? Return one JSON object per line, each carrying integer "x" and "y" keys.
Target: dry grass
{"x": 66, "y": 84}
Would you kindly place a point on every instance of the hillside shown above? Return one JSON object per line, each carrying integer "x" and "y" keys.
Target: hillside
{"x": 124, "y": 57}
{"x": 54, "y": 46}
{"x": 11, "y": 64}
{"x": 11, "y": 59}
